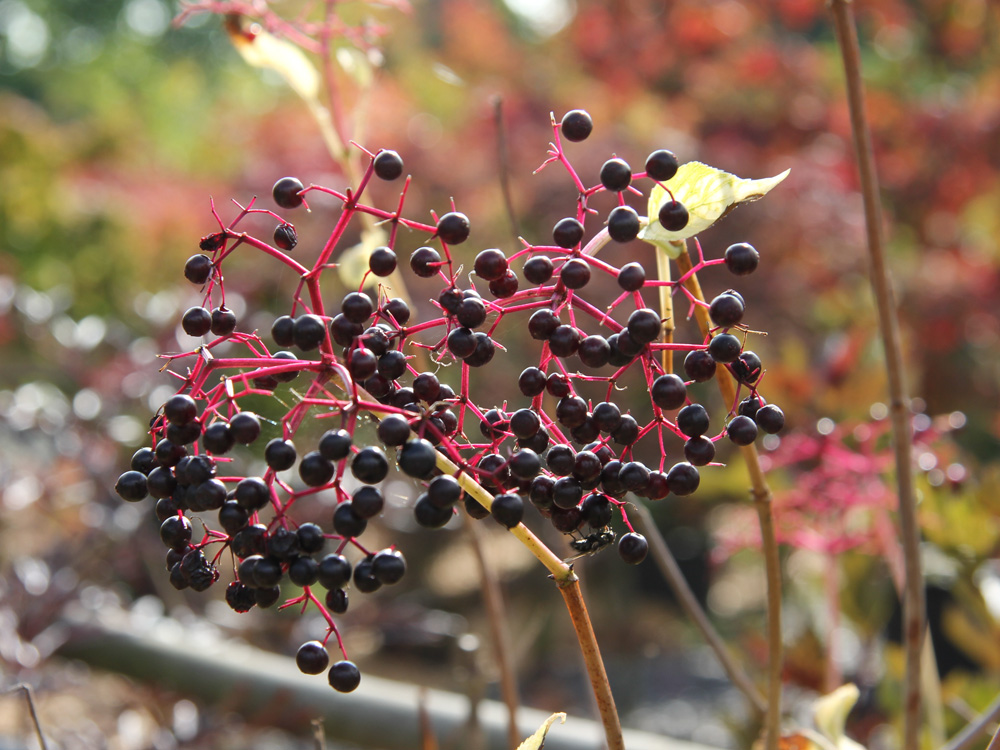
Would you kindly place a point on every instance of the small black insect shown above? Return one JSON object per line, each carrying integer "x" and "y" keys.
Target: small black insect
{"x": 592, "y": 544}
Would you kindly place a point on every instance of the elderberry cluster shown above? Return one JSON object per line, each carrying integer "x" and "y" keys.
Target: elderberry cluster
{"x": 572, "y": 455}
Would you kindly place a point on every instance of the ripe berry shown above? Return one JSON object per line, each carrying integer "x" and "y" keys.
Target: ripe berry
{"x": 344, "y": 677}
{"x": 542, "y": 324}
{"x": 632, "y": 548}
{"x": 656, "y": 488}
{"x": 453, "y": 228}
{"x": 623, "y": 224}
{"x": 389, "y": 566}
{"x": 427, "y": 387}
{"x": 131, "y": 486}
{"x": 644, "y": 326}
{"x": 538, "y": 270}
{"x": 749, "y": 406}
{"x": 344, "y": 331}
{"x": 347, "y": 523}
{"x": 361, "y": 363}
{"x": 302, "y": 571}
{"x": 669, "y": 391}
{"x": 429, "y": 515}
{"x": 747, "y": 368}
{"x": 168, "y": 453}
{"x": 367, "y": 501}
{"x": 424, "y": 262}
{"x": 398, "y": 310}
{"x": 444, "y": 491}
{"x": 741, "y": 430}
{"x": 627, "y": 432}
{"x": 631, "y": 277}
{"x": 285, "y": 237}
{"x": 505, "y": 286}
{"x": 370, "y": 465}
{"x": 223, "y": 321}
{"x": 336, "y": 601}
{"x": 143, "y": 460}
{"x": 159, "y": 484}
{"x": 197, "y": 269}
{"x": 561, "y": 460}
{"x": 418, "y": 458}
{"x": 490, "y": 264}
{"x": 393, "y": 430}
{"x": 484, "y": 351}
{"x": 673, "y": 216}
{"x": 364, "y": 578}
{"x": 462, "y": 343}
{"x": 586, "y": 466}
{"x": 724, "y": 348}
{"x": 388, "y": 165}
{"x": 471, "y": 312}
{"x": 245, "y": 427}
{"x": 531, "y": 381}
{"x": 310, "y": 538}
{"x": 693, "y": 420}
{"x": 175, "y": 532}
{"x": 699, "y": 451}
{"x": 699, "y": 366}
{"x": 575, "y": 274}
{"x": 557, "y": 385}
{"x": 312, "y": 658}
{"x": 567, "y": 492}
{"x": 616, "y": 175}
{"x": 196, "y": 321}
{"x": 564, "y": 341}
{"x": 252, "y": 494}
{"x": 524, "y": 423}
{"x": 335, "y": 444}
{"x": 770, "y": 419}
{"x": 726, "y": 310}
{"x": 507, "y": 510}
{"x": 392, "y": 364}
{"x": 357, "y": 307}
{"x": 576, "y": 125}
{"x": 597, "y": 511}
{"x": 661, "y": 165}
{"x": 607, "y": 417}
{"x": 566, "y": 520}
{"x": 683, "y": 479}
{"x": 382, "y": 261}
{"x": 239, "y": 597}
{"x": 633, "y": 476}
{"x": 571, "y": 411}
{"x": 525, "y": 464}
{"x": 180, "y": 409}
{"x": 594, "y": 351}
{"x": 742, "y": 259}
{"x": 286, "y": 192}
{"x": 334, "y": 571}
{"x": 567, "y": 232}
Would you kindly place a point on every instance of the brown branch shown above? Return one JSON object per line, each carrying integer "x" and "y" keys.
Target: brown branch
{"x": 913, "y": 597}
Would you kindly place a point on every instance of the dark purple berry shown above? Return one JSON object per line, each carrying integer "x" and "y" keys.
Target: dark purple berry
{"x": 382, "y": 261}
{"x": 594, "y": 351}
{"x": 344, "y": 677}
{"x": 315, "y": 470}
{"x": 197, "y": 269}
{"x": 542, "y": 324}
{"x": 335, "y": 444}
{"x": 726, "y": 310}
{"x": 334, "y": 571}
{"x": 683, "y": 479}
{"x": 245, "y": 427}
{"x": 770, "y": 419}
{"x": 389, "y": 566}
{"x": 131, "y": 486}
{"x": 347, "y": 523}
{"x": 557, "y": 385}
{"x": 505, "y": 286}
{"x": 742, "y": 259}
{"x": 525, "y": 464}
{"x": 286, "y": 192}
{"x": 576, "y": 125}
{"x": 388, "y": 165}
{"x": 196, "y": 321}
{"x": 644, "y": 326}
{"x": 418, "y": 458}
{"x": 285, "y": 237}
{"x": 357, "y": 307}
{"x": 747, "y": 368}
{"x": 616, "y": 175}
{"x": 623, "y": 224}
{"x": 693, "y": 420}
{"x": 370, "y": 465}
{"x": 631, "y": 277}
{"x": 312, "y": 658}
{"x": 471, "y": 312}
{"x": 699, "y": 451}
{"x": 567, "y": 232}
{"x": 627, "y": 432}
{"x": 398, "y": 310}
{"x": 575, "y": 274}
{"x": 490, "y": 265}
{"x": 507, "y": 510}
{"x": 429, "y": 515}
{"x": 741, "y": 430}
{"x": 302, "y": 571}
{"x": 176, "y": 531}
{"x": 367, "y": 501}
{"x": 531, "y": 381}
{"x": 669, "y": 391}
{"x": 567, "y": 492}
{"x": 453, "y": 228}
{"x": 661, "y": 165}
{"x": 699, "y": 366}
{"x": 484, "y": 351}
{"x": 223, "y": 321}
{"x": 724, "y": 348}
{"x": 565, "y": 341}
{"x": 673, "y": 216}
{"x": 633, "y": 547}
{"x": 538, "y": 270}
{"x": 424, "y": 262}
{"x": 462, "y": 343}
{"x": 607, "y": 417}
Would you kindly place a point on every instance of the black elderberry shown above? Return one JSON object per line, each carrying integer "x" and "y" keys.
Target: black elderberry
{"x": 540, "y": 492}
{"x": 505, "y": 286}
{"x": 747, "y": 368}
{"x": 392, "y": 364}
{"x": 567, "y": 492}
{"x": 444, "y": 491}
{"x": 388, "y": 165}
{"x": 616, "y": 175}
{"x": 378, "y": 387}
{"x": 699, "y": 366}
{"x": 657, "y": 487}
{"x": 143, "y": 460}
{"x": 312, "y": 658}
{"x": 418, "y": 458}
{"x": 631, "y": 277}
{"x": 571, "y": 411}
{"x": 542, "y": 324}
{"x": 471, "y": 312}
{"x": 310, "y": 538}
{"x": 627, "y": 432}
{"x": 627, "y": 344}
{"x": 344, "y": 677}
{"x": 576, "y": 125}
{"x": 596, "y": 510}
{"x": 267, "y": 597}
{"x": 424, "y": 262}
{"x": 623, "y": 224}
{"x": 285, "y": 237}
{"x": 286, "y": 192}
{"x": 367, "y": 501}
{"x": 428, "y": 515}
{"x": 196, "y": 321}
{"x": 557, "y": 385}
{"x": 361, "y": 363}
{"x": 337, "y": 601}
{"x": 610, "y": 482}
{"x": 507, "y": 510}
{"x": 344, "y": 331}
{"x": 462, "y": 343}
{"x": 427, "y": 388}
{"x": 693, "y": 420}
{"x": 673, "y": 215}
{"x": 525, "y": 464}
{"x": 565, "y": 341}
{"x": 749, "y": 406}
{"x": 699, "y": 451}
{"x": 742, "y": 259}
{"x": 315, "y": 470}
{"x": 633, "y": 476}
{"x": 567, "y": 233}
{"x": 560, "y": 460}
{"x": 398, "y": 310}
{"x": 741, "y": 430}
{"x": 245, "y": 427}
{"x": 669, "y": 391}
{"x": 197, "y": 269}
{"x": 194, "y": 469}
{"x": 240, "y": 597}
{"x": 180, "y": 409}
{"x": 267, "y": 572}
{"x": 453, "y": 228}
{"x": 232, "y": 517}
{"x": 484, "y": 351}
{"x": 683, "y": 479}
{"x": 524, "y": 423}
{"x": 538, "y": 270}
{"x": 252, "y": 493}
{"x": 375, "y": 338}
{"x": 531, "y": 381}
{"x": 357, "y": 307}
{"x": 575, "y": 274}
{"x": 364, "y": 577}
{"x": 168, "y": 453}
{"x": 393, "y": 430}
{"x": 217, "y": 438}
{"x": 382, "y": 261}
{"x": 370, "y": 465}
{"x": 176, "y": 531}
{"x": 159, "y": 484}
{"x": 726, "y": 310}
{"x": 616, "y": 357}
{"x": 131, "y": 486}
{"x": 223, "y": 321}
{"x": 389, "y": 566}
{"x": 283, "y": 330}
{"x": 183, "y": 434}
{"x": 607, "y": 416}
{"x": 661, "y": 165}
{"x": 334, "y": 571}
{"x": 566, "y": 520}
{"x": 586, "y": 466}
{"x": 347, "y": 523}
{"x": 207, "y": 495}
{"x": 335, "y": 444}
{"x": 249, "y": 541}
{"x": 770, "y": 419}
{"x": 633, "y": 547}
{"x": 490, "y": 265}
{"x": 724, "y": 348}
{"x": 644, "y": 326}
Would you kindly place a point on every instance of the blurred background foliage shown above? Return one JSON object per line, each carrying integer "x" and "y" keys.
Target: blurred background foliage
{"x": 116, "y": 128}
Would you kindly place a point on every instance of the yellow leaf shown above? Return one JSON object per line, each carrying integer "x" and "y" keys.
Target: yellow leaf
{"x": 535, "y": 741}
{"x": 830, "y": 715}
{"x": 708, "y": 194}
{"x": 263, "y": 50}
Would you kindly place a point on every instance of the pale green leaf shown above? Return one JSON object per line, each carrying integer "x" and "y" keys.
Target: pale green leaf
{"x": 535, "y": 741}
{"x": 352, "y": 263}
{"x": 830, "y": 715}
{"x": 708, "y": 194}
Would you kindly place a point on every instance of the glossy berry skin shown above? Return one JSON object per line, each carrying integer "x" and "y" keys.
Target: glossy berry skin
{"x": 538, "y": 270}
{"x": 197, "y": 269}
{"x": 344, "y": 677}
{"x": 462, "y": 343}
{"x": 724, "y": 348}
{"x": 429, "y": 515}
{"x": 669, "y": 392}
{"x": 398, "y": 310}
{"x": 531, "y": 381}
{"x": 770, "y": 418}
{"x": 644, "y": 326}
{"x": 367, "y": 501}
{"x": 335, "y": 444}
{"x": 245, "y": 427}
{"x": 382, "y": 261}
{"x": 484, "y": 351}
{"x": 661, "y": 165}
{"x": 302, "y": 571}
{"x": 575, "y": 274}
{"x": 334, "y": 571}
{"x": 623, "y": 224}
{"x": 741, "y": 430}
{"x": 175, "y": 532}
{"x": 471, "y": 312}
{"x": 565, "y": 341}
{"x": 673, "y": 216}
{"x": 525, "y": 464}
{"x": 507, "y": 510}
{"x": 627, "y": 432}
{"x": 490, "y": 265}
{"x": 180, "y": 409}
{"x": 370, "y": 465}
{"x": 131, "y": 486}
{"x": 252, "y": 494}
{"x": 314, "y": 470}
{"x": 286, "y": 192}
{"x": 283, "y": 330}
{"x": 576, "y": 125}
{"x": 393, "y": 430}
{"x": 747, "y": 368}
{"x": 285, "y": 237}
{"x": 389, "y": 566}
{"x": 453, "y": 228}
{"x": 616, "y": 175}
{"x": 633, "y": 547}
{"x": 223, "y": 321}
{"x": 196, "y": 321}
{"x": 693, "y": 420}
{"x": 742, "y": 259}
{"x": 567, "y": 233}
{"x": 699, "y": 366}
{"x": 424, "y": 262}
{"x": 312, "y": 658}
{"x": 357, "y": 307}
{"x": 726, "y": 310}
{"x": 347, "y": 523}
{"x": 418, "y": 458}
{"x": 594, "y": 351}
{"x": 683, "y": 479}
{"x": 631, "y": 277}
{"x": 505, "y": 286}
{"x": 699, "y": 451}
{"x": 542, "y": 324}
{"x": 388, "y": 165}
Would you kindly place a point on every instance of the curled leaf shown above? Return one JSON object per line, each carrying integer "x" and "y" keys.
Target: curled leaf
{"x": 708, "y": 194}
{"x": 830, "y": 715}
{"x": 535, "y": 741}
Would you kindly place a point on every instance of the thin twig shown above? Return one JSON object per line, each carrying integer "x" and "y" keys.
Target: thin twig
{"x": 30, "y": 700}
{"x": 913, "y": 598}
{"x": 504, "y": 167}
{"x": 496, "y": 617}
{"x": 693, "y": 609}
{"x": 975, "y": 729}
{"x": 666, "y": 309}
{"x": 761, "y": 494}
